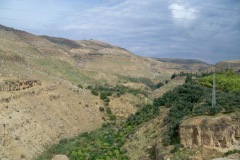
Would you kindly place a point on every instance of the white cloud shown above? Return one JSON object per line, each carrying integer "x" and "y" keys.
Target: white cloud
{"x": 183, "y": 14}
{"x": 147, "y": 27}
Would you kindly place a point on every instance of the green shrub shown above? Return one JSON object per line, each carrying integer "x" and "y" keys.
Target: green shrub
{"x": 107, "y": 100}
{"x": 189, "y": 78}
{"x": 226, "y": 81}
{"x": 173, "y": 75}
{"x": 112, "y": 117}
{"x": 158, "y": 85}
{"x": 93, "y": 92}
{"x": 103, "y": 96}
{"x": 109, "y": 111}
{"x": 232, "y": 152}
{"x": 101, "y": 109}
{"x": 80, "y": 86}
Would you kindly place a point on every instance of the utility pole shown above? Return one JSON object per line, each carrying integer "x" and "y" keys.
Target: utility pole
{"x": 214, "y": 90}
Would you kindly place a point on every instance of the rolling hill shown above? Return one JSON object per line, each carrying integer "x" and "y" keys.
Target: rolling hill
{"x": 53, "y": 88}
{"x": 43, "y": 91}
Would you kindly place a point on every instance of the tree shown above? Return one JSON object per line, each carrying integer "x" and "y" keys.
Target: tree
{"x": 189, "y": 78}
{"x": 174, "y": 75}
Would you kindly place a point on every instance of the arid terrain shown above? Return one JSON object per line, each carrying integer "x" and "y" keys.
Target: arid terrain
{"x": 45, "y": 95}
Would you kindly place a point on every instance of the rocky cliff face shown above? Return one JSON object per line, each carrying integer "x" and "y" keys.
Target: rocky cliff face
{"x": 221, "y": 132}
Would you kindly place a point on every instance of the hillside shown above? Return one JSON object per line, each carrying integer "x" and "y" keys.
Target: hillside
{"x": 57, "y": 93}
{"x": 188, "y": 127}
{"x": 181, "y": 124}
{"x": 44, "y": 88}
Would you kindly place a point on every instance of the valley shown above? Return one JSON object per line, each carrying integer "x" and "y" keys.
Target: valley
{"x": 91, "y": 100}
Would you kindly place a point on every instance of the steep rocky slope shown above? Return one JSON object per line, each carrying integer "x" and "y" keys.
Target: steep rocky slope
{"x": 220, "y": 133}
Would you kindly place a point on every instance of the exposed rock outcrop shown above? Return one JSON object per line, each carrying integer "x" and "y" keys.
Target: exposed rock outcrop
{"x": 16, "y": 85}
{"x": 221, "y": 132}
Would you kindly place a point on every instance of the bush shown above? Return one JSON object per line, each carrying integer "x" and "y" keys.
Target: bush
{"x": 160, "y": 84}
{"x": 189, "y": 78}
{"x": 101, "y": 109}
{"x": 232, "y": 152}
{"x": 112, "y": 117}
{"x": 80, "y": 86}
{"x": 214, "y": 110}
{"x": 173, "y": 76}
{"x": 94, "y": 93}
{"x": 103, "y": 96}
{"x": 109, "y": 111}
{"x": 107, "y": 100}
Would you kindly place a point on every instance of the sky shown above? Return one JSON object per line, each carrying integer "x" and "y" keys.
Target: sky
{"x": 189, "y": 29}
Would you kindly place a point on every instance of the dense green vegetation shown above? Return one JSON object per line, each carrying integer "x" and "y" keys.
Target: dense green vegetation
{"x": 225, "y": 81}
{"x": 190, "y": 99}
{"x": 148, "y": 82}
{"x": 105, "y": 143}
{"x": 100, "y": 144}
{"x": 106, "y": 90}
{"x": 181, "y": 102}
{"x": 226, "y": 102}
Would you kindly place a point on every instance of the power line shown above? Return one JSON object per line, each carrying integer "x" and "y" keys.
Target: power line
{"x": 214, "y": 90}
{"x": 173, "y": 1}
{"x": 197, "y": 21}
{"x": 205, "y": 14}
{"x": 196, "y": 12}
{"x": 196, "y": 4}
{"x": 119, "y": 11}
{"x": 194, "y": 29}
{"x": 202, "y": 21}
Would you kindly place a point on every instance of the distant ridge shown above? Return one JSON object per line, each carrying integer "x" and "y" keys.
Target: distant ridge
{"x": 185, "y": 64}
{"x": 180, "y": 61}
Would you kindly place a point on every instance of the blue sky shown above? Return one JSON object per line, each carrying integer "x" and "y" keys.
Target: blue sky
{"x": 191, "y": 29}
